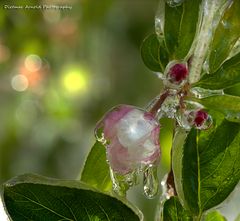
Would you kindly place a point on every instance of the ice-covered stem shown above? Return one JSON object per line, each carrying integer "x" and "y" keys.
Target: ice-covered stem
{"x": 155, "y": 108}
{"x": 211, "y": 12}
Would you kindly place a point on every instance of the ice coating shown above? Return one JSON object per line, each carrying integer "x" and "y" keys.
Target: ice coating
{"x": 133, "y": 138}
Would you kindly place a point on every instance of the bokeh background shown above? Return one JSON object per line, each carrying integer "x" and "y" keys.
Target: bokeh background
{"x": 60, "y": 71}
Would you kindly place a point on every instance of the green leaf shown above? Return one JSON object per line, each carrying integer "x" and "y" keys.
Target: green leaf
{"x": 207, "y": 167}
{"x": 238, "y": 218}
{"x": 180, "y": 27}
{"x": 96, "y": 169}
{"x": 227, "y": 76}
{"x": 226, "y": 35}
{"x": 214, "y": 216}
{"x": 153, "y": 53}
{"x": 227, "y": 104}
{"x": 32, "y": 197}
{"x": 173, "y": 210}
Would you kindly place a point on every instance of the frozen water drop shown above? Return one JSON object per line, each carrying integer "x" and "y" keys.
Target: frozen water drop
{"x": 234, "y": 117}
{"x": 160, "y": 19}
{"x": 99, "y": 135}
{"x": 150, "y": 181}
{"x": 206, "y": 66}
{"x": 121, "y": 183}
{"x": 174, "y": 3}
{"x": 119, "y": 187}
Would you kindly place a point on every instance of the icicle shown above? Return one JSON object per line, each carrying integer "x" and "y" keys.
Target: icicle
{"x": 150, "y": 181}
{"x": 160, "y": 19}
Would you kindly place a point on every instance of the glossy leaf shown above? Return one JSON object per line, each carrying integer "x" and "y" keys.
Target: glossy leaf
{"x": 214, "y": 216}
{"x": 207, "y": 166}
{"x": 96, "y": 169}
{"x": 32, "y": 197}
{"x": 227, "y": 104}
{"x": 226, "y": 35}
{"x": 227, "y": 76}
{"x": 173, "y": 210}
{"x": 180, "y": 27}
{"x": 153, "y": 53}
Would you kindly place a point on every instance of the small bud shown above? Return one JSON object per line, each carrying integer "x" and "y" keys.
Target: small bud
{"x": 176, "y": 74}
{"x": 201, "y": 119}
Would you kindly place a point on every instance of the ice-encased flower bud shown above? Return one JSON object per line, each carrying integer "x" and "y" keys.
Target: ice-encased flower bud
{"x": 202, "y": 120}
{"x": 176, "y": 74}
{"x": 131, "y": 137}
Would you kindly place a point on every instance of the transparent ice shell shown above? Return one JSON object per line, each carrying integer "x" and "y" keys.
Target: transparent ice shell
{"x": 131, "y": 138}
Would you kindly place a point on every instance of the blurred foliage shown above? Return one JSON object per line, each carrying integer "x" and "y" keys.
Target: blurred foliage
{"x": 60, "y": 71}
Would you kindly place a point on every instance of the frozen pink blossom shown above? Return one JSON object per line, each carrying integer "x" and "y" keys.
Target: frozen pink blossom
{"x": 131, "y": 137}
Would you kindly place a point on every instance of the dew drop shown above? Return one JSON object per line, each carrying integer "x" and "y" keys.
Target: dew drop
{"x": 150, "y": 181}
{"x": 174, "y": 3}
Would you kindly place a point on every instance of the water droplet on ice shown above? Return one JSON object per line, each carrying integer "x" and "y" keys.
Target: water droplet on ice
{"x": 150, "y": 181}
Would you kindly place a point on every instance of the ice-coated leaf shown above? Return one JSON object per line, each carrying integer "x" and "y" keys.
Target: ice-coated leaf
{"x": 33, "y": 197}
{"x": 226, "y": 76}
{"x": 207, "y": 166}
{"x": 153, "y": 53}
{"x": 180, "y": 27}
{"x": 227, "y": 104}
{"x": 226, "y": 35}
{"x": 214, "y": 216}
{"x": 173, "y": 210}
{"x": 96, "y": 169}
